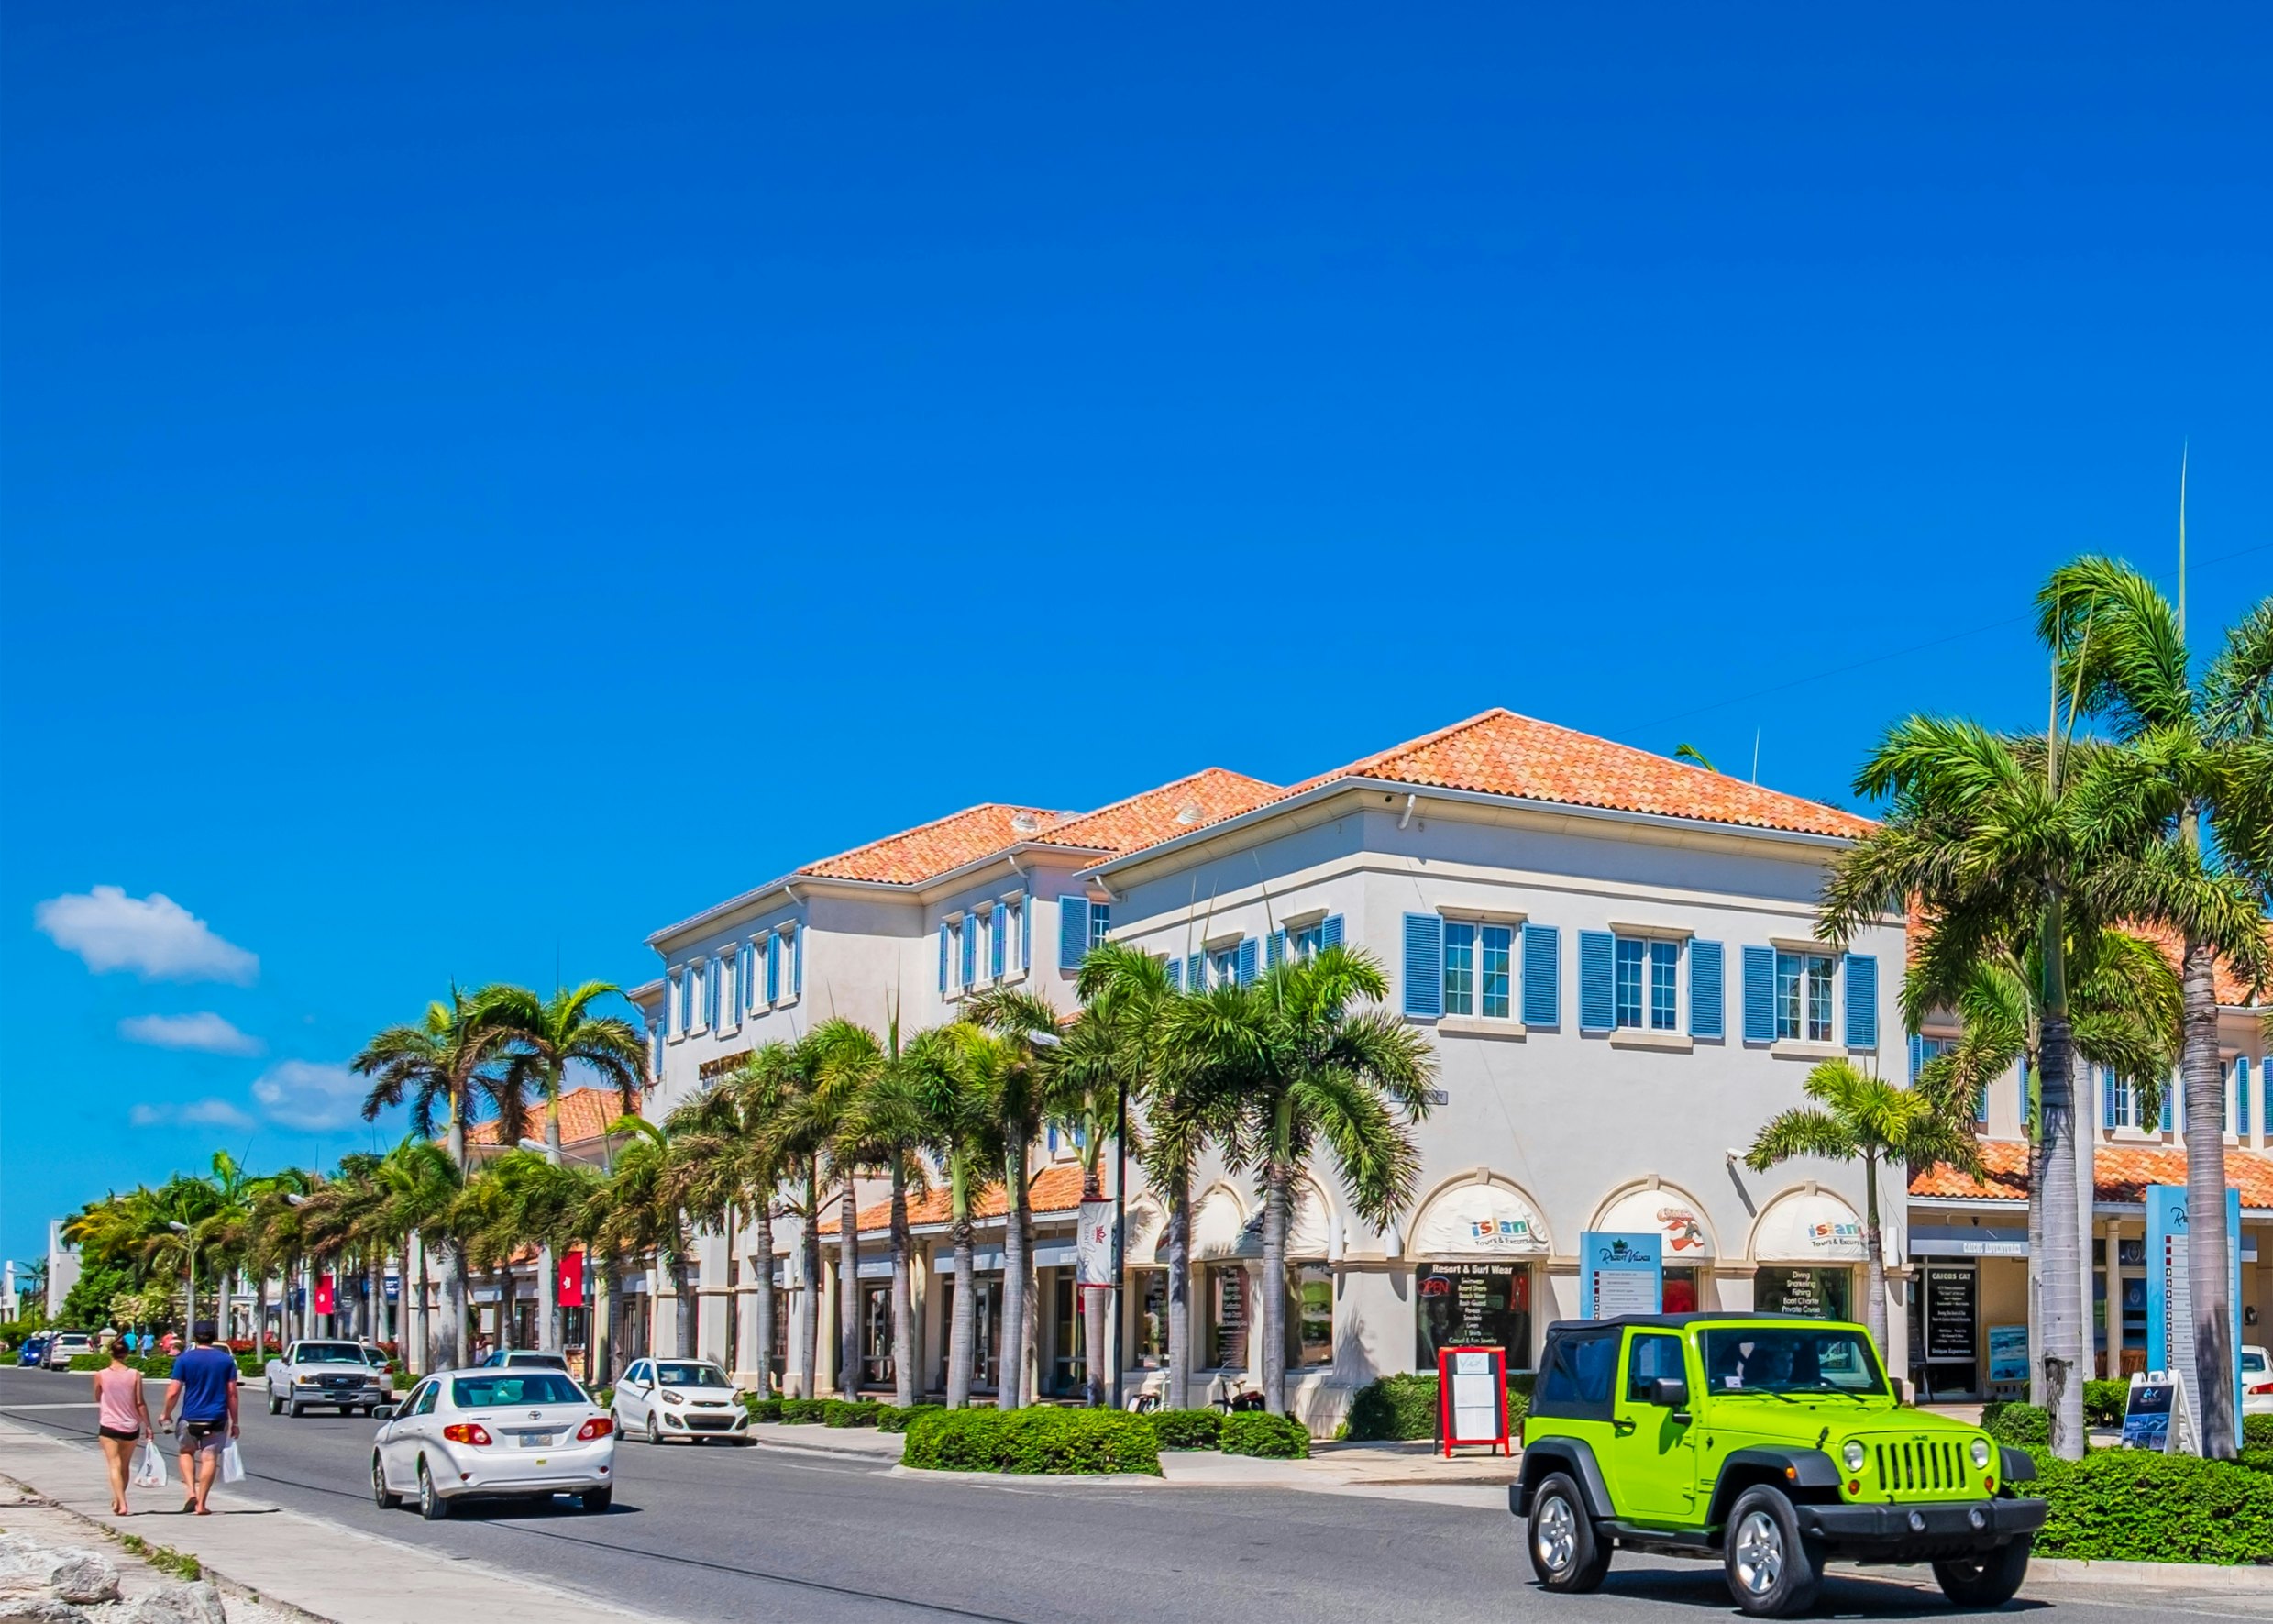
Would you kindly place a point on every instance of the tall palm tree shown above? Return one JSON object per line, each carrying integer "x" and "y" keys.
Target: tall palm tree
{"x": 809, "y": 1096}
{"x": 886, "y": 1128}
{"x": 448, "y": 1060}
{"x": 2000, "y": 839}
{"x": 1857, "y": 1118}
{"x": 849, "y": 1058}
{"x": 1305, "y": 1070}
{"x": 1019, "y": 1068}
{"x": 542, "y": 1038}
{"x": 947, "y": 1080}
{"x": 2199, "y": 755}
{"x": 645, "y": 1206}
{"x": 736, "y": 1156}
{"x": 420, "y": 1184}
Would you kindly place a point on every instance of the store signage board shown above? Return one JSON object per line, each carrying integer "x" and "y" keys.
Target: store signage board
{"x": 1620, "y": 1272}
{"x": 1097, "y": 1245}
{"x": 2008, "y": 1354}
{"x": 1950, "y": 1305}
{"x": 1472, "y": 1398}
{"x": 2156, "y": 1414}
{"x": 573, "y": 1279}
{"x": 2170, "y": 1297}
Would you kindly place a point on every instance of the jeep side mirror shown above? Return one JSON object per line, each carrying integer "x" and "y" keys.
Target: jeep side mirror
{"x": 1669, "y": 1392}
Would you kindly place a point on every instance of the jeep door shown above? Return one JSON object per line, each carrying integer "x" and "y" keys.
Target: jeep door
{"x": 1652, "y": 1457}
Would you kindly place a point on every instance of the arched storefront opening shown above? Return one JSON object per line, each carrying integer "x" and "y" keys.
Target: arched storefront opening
{"x": 1805, "y": 1250}
{"x": 1223, "y": 1313}
{"x": 1655, "y": 1207}
{"x": 1476, "y": 1248}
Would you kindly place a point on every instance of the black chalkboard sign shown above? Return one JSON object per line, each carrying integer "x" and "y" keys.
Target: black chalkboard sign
{"x": 1951, "y": 1309}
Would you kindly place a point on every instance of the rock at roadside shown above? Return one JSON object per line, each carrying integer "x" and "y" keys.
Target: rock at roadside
{"x": 38, "y": 1607}
{"x": 69, "y": 1572}
{"x": 197, "y": 1603}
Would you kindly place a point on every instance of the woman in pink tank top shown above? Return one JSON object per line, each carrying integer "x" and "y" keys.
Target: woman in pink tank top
{"x": 122, "y": 1417}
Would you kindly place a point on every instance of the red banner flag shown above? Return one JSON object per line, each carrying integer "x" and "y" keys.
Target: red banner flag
{"x": 573, "y": 1279}
{"x": 324, "y": 1304}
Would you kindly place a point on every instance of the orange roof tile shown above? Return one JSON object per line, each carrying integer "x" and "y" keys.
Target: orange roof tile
{"x": 2232, "y": 991}
{"x": 2119, "y": 1174}
{"x": 1205, "y": 797}
{"x": 1500, "y": 753}
{"x": 1056, "y": 1188}
{"x": 585, "y": 1114}
{"x": 916, "y": 854}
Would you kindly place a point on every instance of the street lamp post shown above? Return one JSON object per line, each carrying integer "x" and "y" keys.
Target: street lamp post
{"x": 307, "y": 1304}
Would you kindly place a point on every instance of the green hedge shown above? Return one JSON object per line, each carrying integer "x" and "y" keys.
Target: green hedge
{"x": 850, "y": 1412}
{"x": 804, "y": 1412}
{"x": 2122, "y": 1505}
{"x": 891, "y": 1418}
{"x": 1405, "y": 1406}
{"x": 1186, "y": 1428}
{"x": 2104, "y": 1402}
{"x": 2258, "y": 1432}
{"x": 1274, "y": 1437}
{"x": 2023, "y": 1426}
{"x": 1048, "y": 1442}
{"x": 767, "y": 1409}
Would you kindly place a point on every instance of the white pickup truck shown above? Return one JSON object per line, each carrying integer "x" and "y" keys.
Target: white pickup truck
{"x": 349, "y": 1376}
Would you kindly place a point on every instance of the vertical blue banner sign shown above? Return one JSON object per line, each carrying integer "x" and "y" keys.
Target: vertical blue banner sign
{"x": 1620, "y": 1273}
{"x": 2170, "y": 1299}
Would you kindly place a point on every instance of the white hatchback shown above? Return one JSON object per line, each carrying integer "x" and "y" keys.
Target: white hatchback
{"x": 660, "y": 1399}
{"x": 526, "y": 1434}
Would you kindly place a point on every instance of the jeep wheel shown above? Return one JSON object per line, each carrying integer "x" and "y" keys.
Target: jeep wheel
{"x": 1772, "y": 1573}
{"x": 1565, "y": 1554}
{"x": 1989, "y": 1580}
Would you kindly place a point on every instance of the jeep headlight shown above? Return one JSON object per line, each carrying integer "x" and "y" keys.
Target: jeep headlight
{"x": 1854, "y": 1454}
{"x": 1981, "y": 1452}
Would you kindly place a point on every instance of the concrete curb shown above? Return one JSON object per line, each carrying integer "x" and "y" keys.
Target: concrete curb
{"x": 1021, "y": 1479}
{"x": 2173, "y": 1575}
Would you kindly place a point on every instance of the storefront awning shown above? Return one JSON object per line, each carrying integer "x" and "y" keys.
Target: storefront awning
{"x": 1479, "y": 1221}
{"x": 1665, "y": 1213}
{"x": 1807, "y": 1227}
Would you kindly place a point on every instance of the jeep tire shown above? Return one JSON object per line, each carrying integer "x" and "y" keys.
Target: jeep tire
{"x": 1773, "y": 1572}
{"x": 1565, "y": 1554}
{"x": 1988, "y": 1580}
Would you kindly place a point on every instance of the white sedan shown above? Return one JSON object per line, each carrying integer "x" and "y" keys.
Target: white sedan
{"x": 2257, "y": 1380}
{"x": 660, "y": 1399}
{"x": 525, "y": 1434}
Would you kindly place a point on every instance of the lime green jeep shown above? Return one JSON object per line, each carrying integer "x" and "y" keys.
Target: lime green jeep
{"x": 1773, "y": 1445}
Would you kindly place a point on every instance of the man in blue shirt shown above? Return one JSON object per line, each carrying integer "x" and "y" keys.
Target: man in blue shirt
{"x": 204, "y": 1389}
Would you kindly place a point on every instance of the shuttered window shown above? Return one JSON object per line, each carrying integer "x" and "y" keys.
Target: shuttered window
{"x": 942, "y": 959}
{"x": 1863, "y": 1001}
{"x": 1424, "y": 965}
{"x": 1760, "y": 995}
{"x": 1073, "y": 932}
{"x": 773, "y": 970}
{"x": 1597, "y": 1006}
{"x": 998, "y": 941}
{"x": 1707, "y": 1014}
{"x": 1542, "y": 973}
{"x": 1247, "y": 962}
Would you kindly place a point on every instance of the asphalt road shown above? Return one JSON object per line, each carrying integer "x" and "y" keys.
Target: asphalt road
{"x": 713, "y": 1533}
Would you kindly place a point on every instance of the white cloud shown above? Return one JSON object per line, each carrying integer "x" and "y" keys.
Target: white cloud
{"x": 305, "y": 1094}
{"x": 206, "y": 1032}
{"x": 197, "y": 1113}
{"x": 154, "y": 936}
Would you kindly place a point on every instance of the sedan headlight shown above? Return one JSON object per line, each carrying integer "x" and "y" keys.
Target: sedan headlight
{"x": 1854, "y": 1454}
{"x": 1981, "y": 1452}
{"x": 673, "y": 1399}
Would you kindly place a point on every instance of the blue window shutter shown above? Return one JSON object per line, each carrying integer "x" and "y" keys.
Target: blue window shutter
{"x": 773, "y": 969}
{"x": 1597, "y": 950}
{"x": 1424, "y": 965}
{"x": 797, "y": 964}
{"x": 1329, "y": 934}
{"x": 942, "y": 959}
{"x": 1274, "y": 952}
{"x": 2168, "y": 1093}
{"x": 1175, "y": 972}
{"x": 1196, "y": 978}
{"x": 1709, "y": 1010}
{"x": 1073, "y": 932}
{"x": 1760, "y": 995}
{"x": 1026, "y": 935}
{"x": 1917, "y": 1056}
{"x": 1247, "y": 962}
{"x": 2107, "y": 1097}
{"x": 2241, "y": 1094}
{"x": 1863, "y": 1001}
{"x": 999, "y": 938}
{"x": 1542, "y": 975}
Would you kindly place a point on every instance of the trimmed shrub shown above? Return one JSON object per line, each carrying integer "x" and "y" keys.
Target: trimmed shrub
{"x": 1035, "y": 1441}
{"x": 2258, "y": 1460}
{"x": 1186, "y": 1428}
{"x": 2020, "y": 1425}
{"x": 90, "y": 1362}
{"x": 1274, "y": 1437}
{"x": 2127, "y": 1504}
{"x": 2104, "y": 1402}
{"x": 1401, "y": 1406}
{"x": 804, "y": 1412}
{"x": 2258, "y": 1432}
{"x": 850, "y": 1412}
{"x": 765, "y": 1408}
{"x": 1519, "y": 1410}
{"x": 891, "y": 1418}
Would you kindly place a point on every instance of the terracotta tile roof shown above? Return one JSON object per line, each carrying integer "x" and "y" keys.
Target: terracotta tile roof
{"x": 919, "y": 853}
{"x": 2119, "y": 1174}
{"x": 1500, "y": 753}
{"x": 1206, "y": 797}
{"x": 1056, "y": 1188}
{"x": 585, "y": 1114}
{"x": 2233, "y": 991}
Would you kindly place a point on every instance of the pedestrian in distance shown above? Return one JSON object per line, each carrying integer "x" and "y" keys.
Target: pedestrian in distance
{"x": 122, "y": 1419}
{"x": 205, "y": 1390}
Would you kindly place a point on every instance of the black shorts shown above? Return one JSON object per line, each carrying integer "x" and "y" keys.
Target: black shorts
{"x": 121, "y": 1433}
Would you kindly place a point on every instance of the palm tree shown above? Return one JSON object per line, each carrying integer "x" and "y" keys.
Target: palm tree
{"x": 1303, "y": 1070}
{"x": 885, "y": 1126}
{"x": 447, "y": 1060}
{"x": 2197, "y": 755}
{"x": 345, "y": 1223}
{"x": 645, "y": 1202}
{"x": 1867, "y": 1119}
{"x": 420, "y": 1184}
{"x": 730, "y": 1147}
{"x": 848, "y": 1059}
{"x": 1017, "y": 1070}
{"x": 946, "y": 1076}
{"x": 2000, "y": 839}
{"x": 809, "y": 1099}
{"x": 542, "y": 1038}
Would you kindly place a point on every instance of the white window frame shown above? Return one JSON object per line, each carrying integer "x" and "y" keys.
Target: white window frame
{"x": 1804, "y": 982}
{"x": 1479, "y": 932}
{"x": 1653, "y": 947}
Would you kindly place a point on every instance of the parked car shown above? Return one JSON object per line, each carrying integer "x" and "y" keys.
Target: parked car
{"x": 525, "y": 1358}
{"x": 1775, "y": 1443}
{"x": 660, "y": 1399}
{"x": 2257, "y": 1380}
{"x": 492, "y": 1433}
{"x": 34, "y": 1354}
{"x": 331, "y": 1373}
{"x": 64, "y": 1347}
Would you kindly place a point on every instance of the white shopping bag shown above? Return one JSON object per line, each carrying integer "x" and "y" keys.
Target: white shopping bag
{"x": 150, "y": 1465}
{"x": 232, "y": 1464}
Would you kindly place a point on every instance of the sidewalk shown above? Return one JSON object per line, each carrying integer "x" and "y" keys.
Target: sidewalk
{"x": 285, "y": 1561}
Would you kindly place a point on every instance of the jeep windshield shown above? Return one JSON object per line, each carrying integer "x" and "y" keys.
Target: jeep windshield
{"x": 1787, "y": 1359}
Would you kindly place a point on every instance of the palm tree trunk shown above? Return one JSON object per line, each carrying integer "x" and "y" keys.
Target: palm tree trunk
{"x": 375, "y": 1294}
{"x": 2208, "y": 1259}
{"x": 848, "y": 1295}
{"x": 457, "y": 1314}
{"x": 903, "y": 1294}
{"x": 809, "y": 1294}
{"x": 608, "y": 1300}
{"x": 683, "y": 1273}
{"x": 505, "y": 1300}
{"x": 547, "y": 1273}
{"x": 1096, "y": 1301}
{"x": 963, "y": 1321}
{"x": 2035, "y": 1252}
{"x": 260, "y": 1314}
{"x": 1271, "y": 1293}
{"x": 1180, "y": 1290}
{"x": 762, "y": 1260}
{"x": 1010, "y": 1379}
{"x": 2062, "y": 1305}
{"x": 1874, "y": 1260}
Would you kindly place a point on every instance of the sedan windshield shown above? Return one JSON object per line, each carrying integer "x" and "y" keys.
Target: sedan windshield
{"x": 328, "y": 1353}
{"x": 1785, "y": 1359}
{"x": 507, "y": 1389}
{"x": 692, "y": 1375}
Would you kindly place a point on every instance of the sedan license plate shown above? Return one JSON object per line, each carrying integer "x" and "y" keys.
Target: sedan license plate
{"x": 535, "y": 1439}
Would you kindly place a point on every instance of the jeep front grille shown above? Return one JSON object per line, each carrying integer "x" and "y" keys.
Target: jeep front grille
{"x": 1920, "y": 1466}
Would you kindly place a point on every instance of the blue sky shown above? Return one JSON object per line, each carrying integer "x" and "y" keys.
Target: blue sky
{"x": 481, "y": 482}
